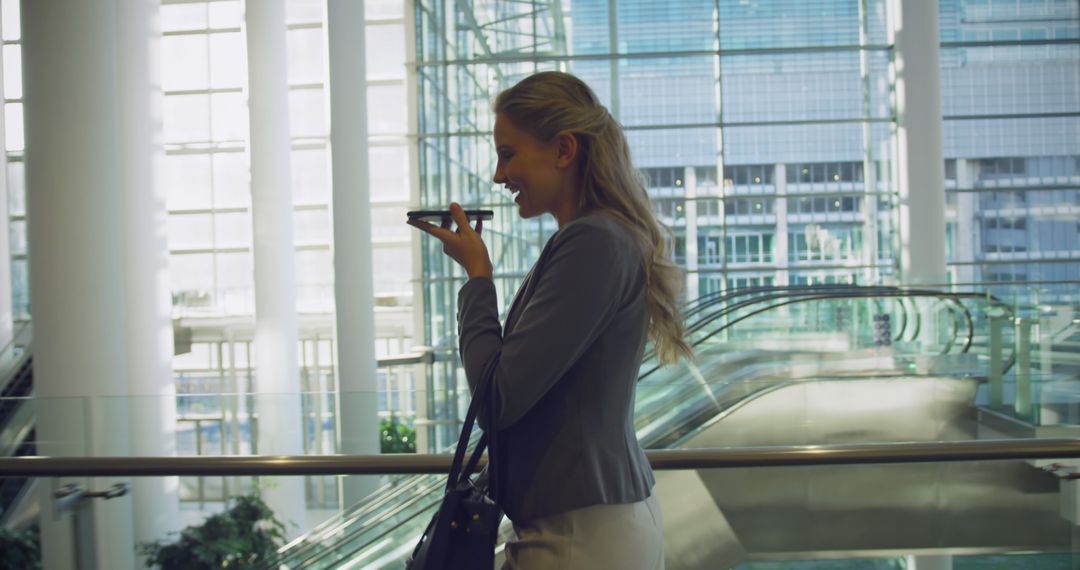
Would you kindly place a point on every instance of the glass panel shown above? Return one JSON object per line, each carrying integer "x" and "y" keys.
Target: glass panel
{"x": 10, "y": 18}
{"x": 227, "y": 67}
{"x": 187, "y": 181}
{"x": 225, "y": 14}
{"x": 386, "y": 115}
{"x": 305, "y": 11}
{"x": 13, "y": 127}
{"x": 379, "y": 9}
{"x": 191, "y": 272}
{"x": 307, "y": 113}
{"x": 187, "y": 118}
{"x": 395, "y": 270}
{"x": 386, "y": 51}
{"x": 188, "y": 62}
{"x": 178, "y": 17}
{"x": 312, "y": 226}
{"x": 228, "y": 113}
{"x": 12, "y": 72}
{"x": 16, "y": 179}
{"x": 305, "y": 55}
{"x": 310, "y": 176}
{"x": 232, "y": 184}
{"x": 389, "y": 173}
{"x": 232, "y": 229}
{"x": 188, "y": 231}
{"x": 792, "y": 23}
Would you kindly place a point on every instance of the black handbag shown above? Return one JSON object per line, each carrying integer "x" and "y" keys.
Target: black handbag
{"x": 463, "y": 532}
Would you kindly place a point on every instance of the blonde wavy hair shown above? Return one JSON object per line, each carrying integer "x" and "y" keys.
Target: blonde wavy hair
{"x": 549, "y": 103}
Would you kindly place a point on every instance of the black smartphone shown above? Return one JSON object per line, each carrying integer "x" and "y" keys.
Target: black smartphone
{"x": 437, "y": 216}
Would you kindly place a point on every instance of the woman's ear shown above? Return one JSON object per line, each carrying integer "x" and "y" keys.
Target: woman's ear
{"x": 566, "y": 149}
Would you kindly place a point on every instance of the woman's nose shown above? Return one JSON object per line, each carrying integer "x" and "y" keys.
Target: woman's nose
{"x": 499, "y": 177}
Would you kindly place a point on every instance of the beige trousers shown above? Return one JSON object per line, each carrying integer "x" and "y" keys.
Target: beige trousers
{"x": 624, "y": 537}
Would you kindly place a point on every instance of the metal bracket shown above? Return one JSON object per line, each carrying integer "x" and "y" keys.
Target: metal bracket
{"x": 70, "y": 496}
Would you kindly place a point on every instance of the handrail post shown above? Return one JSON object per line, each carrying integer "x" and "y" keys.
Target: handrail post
{"x": 997, "y": 364}
{"x": 1023, "y": 369}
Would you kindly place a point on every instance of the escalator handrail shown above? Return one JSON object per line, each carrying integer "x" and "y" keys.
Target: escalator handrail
{"x": 10, "y": 364}
{"x": 872, "y": 292}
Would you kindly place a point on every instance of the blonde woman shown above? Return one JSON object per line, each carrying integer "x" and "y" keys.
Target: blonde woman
{"x": 572, "y": 477}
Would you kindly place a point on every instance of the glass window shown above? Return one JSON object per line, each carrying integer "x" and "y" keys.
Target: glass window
{"x": 385, "y": 51}
{"x": 310, "y": 177}
{"x": 12, "y": 71}
{"x": 187, "y": 58}
{"x": 227, "y": 68}
{"x": 307, "y": 113}
{"x": 313, "y": 226}
{"x": 13, "y": 127}
{"x": 187, "y": 181}
{"x": 386, "y": 114}
{"x": 305, "y": 55}
{"x": 187, "y": 118}
{"x": 231, "y": 180}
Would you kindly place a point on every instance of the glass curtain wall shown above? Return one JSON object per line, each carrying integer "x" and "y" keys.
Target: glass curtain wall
{"x": 764, "y": 130}
{"x": 1010, "y": 81}
{"x": 13, "y": 147}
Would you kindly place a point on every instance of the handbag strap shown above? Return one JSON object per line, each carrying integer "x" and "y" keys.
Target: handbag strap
{"x": 456, "y": 472}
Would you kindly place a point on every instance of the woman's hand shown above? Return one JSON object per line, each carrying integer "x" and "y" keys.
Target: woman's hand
{"x": 464, "y": 245}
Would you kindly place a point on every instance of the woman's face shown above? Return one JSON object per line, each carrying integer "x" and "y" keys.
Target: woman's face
{"x": 533, "y": 171}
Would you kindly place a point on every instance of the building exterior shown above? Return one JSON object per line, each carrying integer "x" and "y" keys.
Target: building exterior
{"x": 768, "y": 135}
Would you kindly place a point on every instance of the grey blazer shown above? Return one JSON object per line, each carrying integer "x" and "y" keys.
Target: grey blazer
{"x": 565, "y": 370}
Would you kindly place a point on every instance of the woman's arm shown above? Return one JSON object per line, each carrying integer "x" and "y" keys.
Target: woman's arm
{"x": 578, "y": 289}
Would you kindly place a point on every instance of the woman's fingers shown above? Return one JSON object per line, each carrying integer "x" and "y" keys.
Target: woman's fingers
{"x": 442, "y": 233}
{"x": 458, "y": 213}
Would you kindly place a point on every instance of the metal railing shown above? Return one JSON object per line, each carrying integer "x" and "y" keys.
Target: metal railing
{"x": 661, "y": 459}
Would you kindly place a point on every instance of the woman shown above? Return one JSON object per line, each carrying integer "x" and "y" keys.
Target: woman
{"x": 572, "y": 477}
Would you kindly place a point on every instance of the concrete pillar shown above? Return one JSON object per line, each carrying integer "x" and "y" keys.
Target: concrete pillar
{"x": 6, "y": 332}
{"x": 277, "y": 374}
{"x": 354, "y": 290}
{"x": 145, "y": 219}
{"x": 692, "y": 278}
{"x": 77, "y": 273}
{"x": 919, "y": 146}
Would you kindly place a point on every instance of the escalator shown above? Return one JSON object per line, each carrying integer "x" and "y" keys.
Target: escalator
{"x": 753, "y": 348}
{"x": 16, "y": 417}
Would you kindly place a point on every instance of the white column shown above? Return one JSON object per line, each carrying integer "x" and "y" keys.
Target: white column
{"x": 277, "y": 375}
{"x": 150, "y": 337}
{"x": 76, "y": 254}
{"x": 781, "y": 238}
{"x": 6, "y": 303}
{"x": 354, "y": 291}
{"x": 421, "y": 371}
{"x": 919, "y": 148}
{"x": 968, "y": 232}
{"x": 692, "y": 277}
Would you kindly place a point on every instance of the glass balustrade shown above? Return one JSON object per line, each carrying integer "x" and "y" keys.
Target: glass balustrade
{"x": 774, "y": 366}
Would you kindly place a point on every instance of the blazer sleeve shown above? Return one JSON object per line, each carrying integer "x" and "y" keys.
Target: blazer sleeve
{"x": 577, "y": 291}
